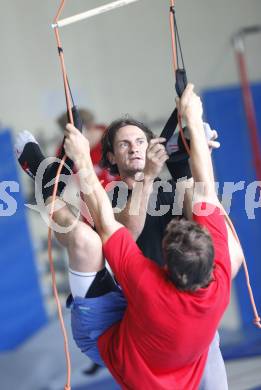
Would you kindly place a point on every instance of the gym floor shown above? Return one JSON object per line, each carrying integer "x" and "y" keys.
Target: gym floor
{"x": 39, "y": 364}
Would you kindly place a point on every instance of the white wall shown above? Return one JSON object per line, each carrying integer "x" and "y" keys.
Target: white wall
{"x": 118, "y": 62}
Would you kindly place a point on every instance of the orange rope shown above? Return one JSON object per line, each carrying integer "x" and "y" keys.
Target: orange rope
{"x": 256, "y": 319}
{"x": 173, "y": 44}
{"x": 230, "y": 223}
{"x": 55, "y": 292}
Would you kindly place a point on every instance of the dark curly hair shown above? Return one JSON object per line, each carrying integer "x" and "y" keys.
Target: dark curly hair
{"x": 189, "y": 254}
{"x": 109, "y": 136}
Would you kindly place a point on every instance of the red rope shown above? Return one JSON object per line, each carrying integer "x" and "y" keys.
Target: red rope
{"x": 254, "y": 139}
{"x": 250, "y": 112}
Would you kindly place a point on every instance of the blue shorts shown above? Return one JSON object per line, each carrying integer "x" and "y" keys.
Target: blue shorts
{"x": 91, "y": 317}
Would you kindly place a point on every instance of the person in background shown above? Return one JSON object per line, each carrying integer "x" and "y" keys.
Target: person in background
{"x": 94, "y": 133}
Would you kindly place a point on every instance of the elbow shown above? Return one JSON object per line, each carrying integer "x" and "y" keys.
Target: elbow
{"x": 134, "y": 230}
{"x": 205, "y": 192}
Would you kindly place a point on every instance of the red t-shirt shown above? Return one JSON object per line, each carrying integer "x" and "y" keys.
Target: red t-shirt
{"x": 163, "y": 339}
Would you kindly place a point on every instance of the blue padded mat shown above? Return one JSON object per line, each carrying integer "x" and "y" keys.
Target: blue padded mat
{"x": 22, "y": 310}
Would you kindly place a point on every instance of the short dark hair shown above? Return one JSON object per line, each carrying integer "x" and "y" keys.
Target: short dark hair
{"x": 189, "y": 254}
{"x": 86, "y": 116}
{"x": 109, "y": 136}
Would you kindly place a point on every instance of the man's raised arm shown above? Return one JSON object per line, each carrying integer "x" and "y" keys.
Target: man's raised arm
{"x": 77, "y": 148}
{"x": 190, "y": 108}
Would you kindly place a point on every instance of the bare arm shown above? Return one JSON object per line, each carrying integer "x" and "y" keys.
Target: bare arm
{"x": 190, "y": 107}
{"x": 188, "y": 185}
{"x": 133, "y": 216}
{"x": 235, "y": 252}
{"x": 77, "y": 148}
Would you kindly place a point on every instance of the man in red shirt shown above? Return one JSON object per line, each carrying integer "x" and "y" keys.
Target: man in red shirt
{"x": 162, "y": 341}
